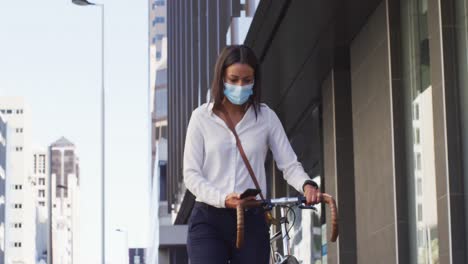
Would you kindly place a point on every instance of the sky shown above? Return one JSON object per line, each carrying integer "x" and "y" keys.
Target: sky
{"x": 50, "y": 53}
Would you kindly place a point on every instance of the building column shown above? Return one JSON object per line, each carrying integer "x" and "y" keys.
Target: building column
{"x": 379, "y": 139}
{"x": 338, "y": 157}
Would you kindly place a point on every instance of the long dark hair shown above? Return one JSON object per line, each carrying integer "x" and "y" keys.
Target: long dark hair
{"x": 229, "y": 56}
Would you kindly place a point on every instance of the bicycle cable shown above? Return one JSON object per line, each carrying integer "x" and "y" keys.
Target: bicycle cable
{"x": 286, "y": 216}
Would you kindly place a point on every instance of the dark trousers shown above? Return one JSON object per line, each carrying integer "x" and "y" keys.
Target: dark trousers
{"x": 212, "y": 236}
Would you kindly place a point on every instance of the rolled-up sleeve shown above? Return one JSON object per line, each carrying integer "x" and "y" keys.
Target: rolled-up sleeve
{"x": 194, "y": 179}
{"x": 284, "y": 155}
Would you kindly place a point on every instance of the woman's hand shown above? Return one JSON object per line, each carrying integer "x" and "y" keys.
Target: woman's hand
{"x": 312, "y": 194}
{"x": 233, "y": 199}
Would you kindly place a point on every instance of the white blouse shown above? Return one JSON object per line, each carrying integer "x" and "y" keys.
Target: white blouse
{"x": 213, "y": 166}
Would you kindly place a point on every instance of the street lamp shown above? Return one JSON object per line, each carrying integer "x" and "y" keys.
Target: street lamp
{"x": 82, "y": 2}
{"x": 103, "y": 215}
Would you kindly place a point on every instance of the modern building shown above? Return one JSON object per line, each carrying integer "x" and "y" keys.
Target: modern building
{"x": 158, "y": 71}
{"x": 20, "y": 221}
{"x": 373, "y": 97}
{"x": 3, "y": 159}
{"x": 196, "y": 33}
{"x": 381, "y": 77}
{"x": 161, "y": 216}
{"x": 159, "y": 102}
{"x": 64, "y": 198}
{"x": 40, "y": 172}
{"x": 158, "y": 92}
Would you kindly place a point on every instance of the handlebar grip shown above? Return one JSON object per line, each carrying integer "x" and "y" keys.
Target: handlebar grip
{"x": 240, "y": 225}
{"x": 328, "y": 199}
{"x": 240, "y": 218}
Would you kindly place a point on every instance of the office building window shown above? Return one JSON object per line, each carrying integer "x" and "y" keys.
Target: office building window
{"x": 417, "y": 84}
{"x": 17, "y": 244}
{"x": 419, "y": 187}
{"x": 17, "y": 225}
{"x": 41, "y": 181}
{"x": 19, "y": 149}
{"x": 158, "y": 20}
{"x": 162, "y": 181}
{"x": 416, "y": 112}
{"x": 41, "y": 193}
{"x": 18, "y": 206}
{"x": 158, "y": 37}
{"x": 158, "y": 3}
{"x": 41, "y": 203}
{"x": 18, "y": 187}
{"x": 164, "y": 131}
{"x": 420, "y": 213}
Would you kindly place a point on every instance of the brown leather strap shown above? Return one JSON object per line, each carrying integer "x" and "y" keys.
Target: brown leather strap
{"x": 230, "y": 125}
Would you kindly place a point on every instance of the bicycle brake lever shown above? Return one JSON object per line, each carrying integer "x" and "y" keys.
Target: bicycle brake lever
{"x": 302, "y": 206}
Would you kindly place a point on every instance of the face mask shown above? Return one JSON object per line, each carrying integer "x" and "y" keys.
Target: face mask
{"x": 238, "y": 94}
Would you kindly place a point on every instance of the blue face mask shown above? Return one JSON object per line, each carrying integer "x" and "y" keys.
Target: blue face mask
{"x": 238, "y": 94}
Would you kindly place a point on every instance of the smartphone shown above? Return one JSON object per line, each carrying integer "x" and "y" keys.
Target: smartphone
{"x": 249, "y": 192}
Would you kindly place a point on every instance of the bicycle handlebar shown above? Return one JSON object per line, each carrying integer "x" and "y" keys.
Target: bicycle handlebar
{"x": 244, "y": 204}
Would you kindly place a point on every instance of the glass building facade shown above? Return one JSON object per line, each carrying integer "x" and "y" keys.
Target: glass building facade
{"x": 374, "y": 99}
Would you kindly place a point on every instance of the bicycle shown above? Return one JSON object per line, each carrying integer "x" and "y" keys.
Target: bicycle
{"x": 285, "y": 204}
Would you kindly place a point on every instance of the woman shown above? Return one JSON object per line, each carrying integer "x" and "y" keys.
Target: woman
{"x": 215, "y": 172}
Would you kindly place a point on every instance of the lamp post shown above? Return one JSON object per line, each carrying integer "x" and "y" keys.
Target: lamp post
{"x": 103, "y": 215}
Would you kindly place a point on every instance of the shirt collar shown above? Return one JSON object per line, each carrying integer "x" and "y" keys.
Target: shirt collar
{"x": 210, "y": 108}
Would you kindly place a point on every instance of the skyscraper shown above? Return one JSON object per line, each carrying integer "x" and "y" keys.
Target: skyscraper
{"x": 64, "y": 177}
{"x": 158, "y": 72}
{"x": 40, "y": 172}
{"x": 158, "y": 91}
{"x": 19, "y": 201}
